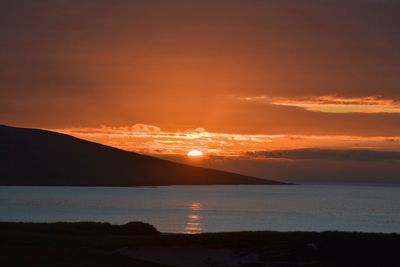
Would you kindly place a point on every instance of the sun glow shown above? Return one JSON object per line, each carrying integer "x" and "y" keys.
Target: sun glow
{"x": 151, "y": 140}
{"x": 195, "y": 153}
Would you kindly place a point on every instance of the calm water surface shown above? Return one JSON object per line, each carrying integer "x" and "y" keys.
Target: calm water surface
{"x": 195, "y": 209}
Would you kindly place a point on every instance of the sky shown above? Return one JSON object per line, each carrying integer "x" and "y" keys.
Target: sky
{"x": 287, "y": 89}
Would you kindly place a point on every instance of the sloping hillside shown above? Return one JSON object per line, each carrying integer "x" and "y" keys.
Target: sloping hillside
{"x": 39, "y": 157}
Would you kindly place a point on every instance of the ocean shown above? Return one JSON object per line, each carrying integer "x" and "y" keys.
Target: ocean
{"x": 197, "y": 209}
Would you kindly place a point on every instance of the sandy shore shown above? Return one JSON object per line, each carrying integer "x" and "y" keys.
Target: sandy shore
{"x": 192, "y": 256}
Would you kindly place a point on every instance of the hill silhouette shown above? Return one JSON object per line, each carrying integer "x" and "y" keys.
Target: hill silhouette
{"x": 44, "y": 158}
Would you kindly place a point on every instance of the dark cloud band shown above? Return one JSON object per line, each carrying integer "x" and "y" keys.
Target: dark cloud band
{"x": 328, "y": 154}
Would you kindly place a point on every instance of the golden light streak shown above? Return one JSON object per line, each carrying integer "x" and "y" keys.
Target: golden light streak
{"x": 193, "y": 223}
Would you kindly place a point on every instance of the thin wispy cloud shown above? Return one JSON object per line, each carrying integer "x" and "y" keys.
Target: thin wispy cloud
{"x": 333, "y": 104}
{"x": 153, "y": 140}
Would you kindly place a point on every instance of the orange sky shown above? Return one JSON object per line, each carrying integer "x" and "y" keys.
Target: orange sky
{"x": 250, "y": 76}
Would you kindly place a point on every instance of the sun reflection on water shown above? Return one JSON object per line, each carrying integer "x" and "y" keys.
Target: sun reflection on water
{"x": 193, "y": 223}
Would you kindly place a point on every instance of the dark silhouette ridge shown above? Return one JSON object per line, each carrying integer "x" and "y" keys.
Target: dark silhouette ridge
{"x": 44, "y": 158}
{"x": 84, "y": 228}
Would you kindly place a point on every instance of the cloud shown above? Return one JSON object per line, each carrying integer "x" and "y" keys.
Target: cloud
{"x": 327, "y": 154}
{"x": 152, "y": 139}
{"x": 333, "y": 104}
{"x": 104, "y": 129}
{"x": 140, "y": 127}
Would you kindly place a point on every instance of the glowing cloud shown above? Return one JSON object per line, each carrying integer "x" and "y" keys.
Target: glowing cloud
{"x": 149, "y": 139}
{"x": 334, "y": 104}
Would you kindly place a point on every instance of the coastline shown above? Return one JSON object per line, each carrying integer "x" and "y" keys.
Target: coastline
{"x": 139, "y": 244}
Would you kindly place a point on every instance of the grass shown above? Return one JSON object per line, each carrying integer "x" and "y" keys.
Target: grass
{"x": 93, "y": 244}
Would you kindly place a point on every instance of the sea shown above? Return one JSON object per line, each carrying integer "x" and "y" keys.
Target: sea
{"x": 218, "y": 208}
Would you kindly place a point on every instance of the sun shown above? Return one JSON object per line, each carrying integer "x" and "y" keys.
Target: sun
{"x": 195, "y": 153}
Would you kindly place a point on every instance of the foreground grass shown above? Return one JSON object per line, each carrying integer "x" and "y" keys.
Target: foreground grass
{"x": 93, "y": 244}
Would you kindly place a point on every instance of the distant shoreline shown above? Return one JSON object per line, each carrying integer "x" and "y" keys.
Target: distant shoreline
{"x": 148, "y": 186}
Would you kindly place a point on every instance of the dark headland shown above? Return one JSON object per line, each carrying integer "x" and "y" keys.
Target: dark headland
{"x": 44, "y": 158}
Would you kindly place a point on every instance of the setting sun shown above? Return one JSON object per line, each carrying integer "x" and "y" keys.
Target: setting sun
{"x": 195, "y": 153}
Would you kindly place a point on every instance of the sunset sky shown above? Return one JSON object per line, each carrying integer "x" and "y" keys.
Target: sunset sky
{"x": 296, "y": 90}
